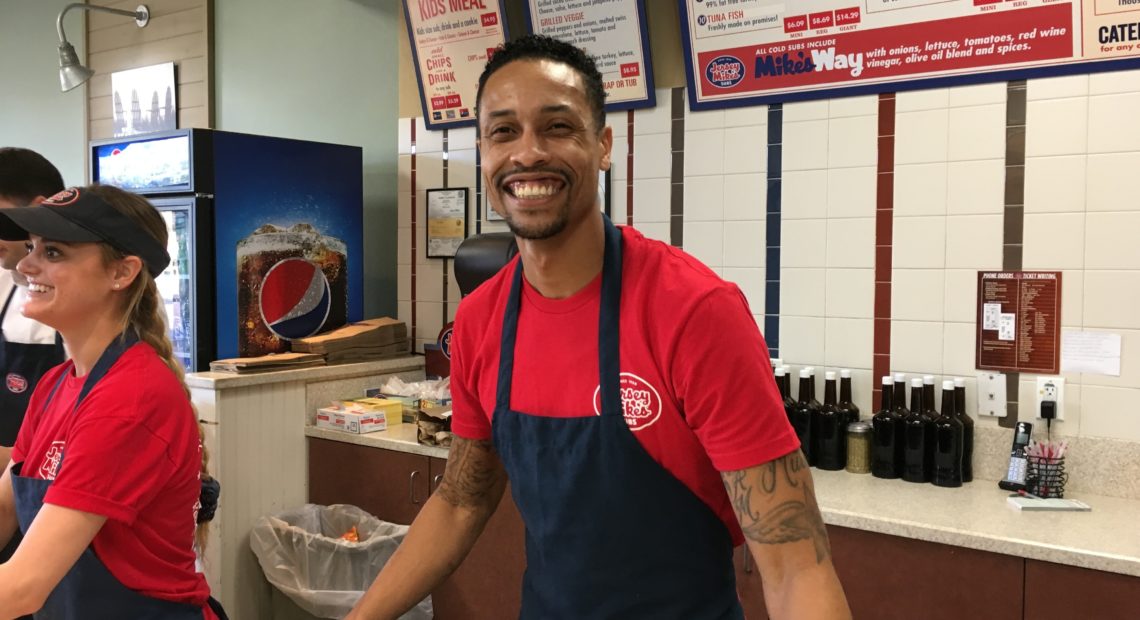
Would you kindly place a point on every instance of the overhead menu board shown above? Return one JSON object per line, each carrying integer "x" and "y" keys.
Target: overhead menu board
{"x": 745, "y": 52}
{"x": 451, "y": 42}
{"x": 1019, "y": 321}
{"x": 614, "y": 32}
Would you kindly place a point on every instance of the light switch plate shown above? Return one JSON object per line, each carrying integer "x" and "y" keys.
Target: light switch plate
{"x": 991, "y": 394}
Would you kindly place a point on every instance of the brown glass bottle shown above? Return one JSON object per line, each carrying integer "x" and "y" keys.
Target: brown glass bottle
{"x": 887, "y": 426}
{"x": 967, "y": 429}
{"x": 785, "y": 396}
{"x": 829, "y": 429}
{"x": 802, "y": 415}
{"x": 845, "y": 402}
{"x": 900, "y": 395}
{"x": 947, "y": 442}
{"x": 919, "y": 435}
{"x": 928, "y": 410}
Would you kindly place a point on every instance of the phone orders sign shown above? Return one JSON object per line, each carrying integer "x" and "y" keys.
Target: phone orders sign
{"x": 1019, "y": 321}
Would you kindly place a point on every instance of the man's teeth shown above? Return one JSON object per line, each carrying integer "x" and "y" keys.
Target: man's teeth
{"x": 533, "y": 190}
{"x": 38, "y": 288}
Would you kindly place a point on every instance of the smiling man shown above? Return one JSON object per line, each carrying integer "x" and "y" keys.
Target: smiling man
{"x": 619, "y": 385}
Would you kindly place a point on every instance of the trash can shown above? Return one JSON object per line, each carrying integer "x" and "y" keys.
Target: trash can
{"x": 305, "y": 556}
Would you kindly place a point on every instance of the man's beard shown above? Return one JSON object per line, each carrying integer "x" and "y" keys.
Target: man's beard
{"x": 542, "y": 230}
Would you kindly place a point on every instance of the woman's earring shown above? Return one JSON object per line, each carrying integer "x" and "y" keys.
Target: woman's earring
{"x": 115, "y": 286}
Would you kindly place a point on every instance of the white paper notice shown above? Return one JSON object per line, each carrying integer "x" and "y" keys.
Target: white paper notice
{"x": 1006, "y": 321}
{"x": 1090, "y": 352}
{"x": 990, "y": 313}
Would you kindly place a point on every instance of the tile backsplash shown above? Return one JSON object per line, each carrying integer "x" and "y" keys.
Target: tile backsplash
{"x": 949, "y": 195}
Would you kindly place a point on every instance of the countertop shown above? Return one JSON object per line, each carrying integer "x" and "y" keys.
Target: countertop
{"x": 975, "y": 516}
{"x": 225, "y": 380}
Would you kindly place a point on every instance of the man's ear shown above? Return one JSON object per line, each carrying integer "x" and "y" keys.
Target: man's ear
{"x": 607, "y": 147}
{"x": 37, "y": 200}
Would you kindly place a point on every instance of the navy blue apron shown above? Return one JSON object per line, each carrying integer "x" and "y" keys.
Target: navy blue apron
{"x": 89, "y": 591}
{"x": 21, "y": 365}
{"x": 609, "y": 532}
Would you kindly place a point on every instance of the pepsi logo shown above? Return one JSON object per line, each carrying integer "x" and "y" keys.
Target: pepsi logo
{"x": 295, "y": 299}
{"x": 724, "y": 71}
{"x": 640, "y": 402}
{"x": 16, "y": 383}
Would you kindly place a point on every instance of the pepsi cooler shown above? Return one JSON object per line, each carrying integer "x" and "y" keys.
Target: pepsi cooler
{"x": 266, "y": 235}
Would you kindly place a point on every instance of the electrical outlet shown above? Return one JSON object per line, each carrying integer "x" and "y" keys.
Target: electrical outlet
{"x": 1050, "y": 389}
{"x": 991, "y": 394}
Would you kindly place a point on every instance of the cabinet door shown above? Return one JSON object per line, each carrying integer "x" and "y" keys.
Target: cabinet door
{"x": 1059, "y": 592}
{"x": 888, "y": 577}
{"x": 389, "y": 484}
{"x": 488, "y": 584}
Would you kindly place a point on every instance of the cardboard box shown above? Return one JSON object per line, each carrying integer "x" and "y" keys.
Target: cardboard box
{"x": 411, "y": 403}
{"x": 357, "y": 417}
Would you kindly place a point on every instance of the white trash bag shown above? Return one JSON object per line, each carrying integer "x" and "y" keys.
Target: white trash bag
{"x": 303, "y": 555}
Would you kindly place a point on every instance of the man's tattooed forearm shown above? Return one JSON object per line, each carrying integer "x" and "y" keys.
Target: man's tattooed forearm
{"x": 789, "y": 520}
{"x": 472, "y": 473}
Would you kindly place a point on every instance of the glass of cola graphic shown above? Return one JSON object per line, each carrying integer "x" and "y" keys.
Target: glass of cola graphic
{"x": 292, "y": 283}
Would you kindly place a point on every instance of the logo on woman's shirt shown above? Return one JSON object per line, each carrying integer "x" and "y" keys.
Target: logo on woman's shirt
{"x": 52, "y": 458}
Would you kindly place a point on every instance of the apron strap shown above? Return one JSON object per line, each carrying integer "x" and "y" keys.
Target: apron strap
{"x": 609, "y": 321}
{"x": 110, "y": 355}
{"x": 11, "y": 294}
{"x": 608, "y": 328}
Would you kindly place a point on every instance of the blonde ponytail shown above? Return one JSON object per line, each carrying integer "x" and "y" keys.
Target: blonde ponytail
{"x": 146, "y": 316}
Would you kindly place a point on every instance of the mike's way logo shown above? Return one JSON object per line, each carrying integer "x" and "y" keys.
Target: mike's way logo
{"x": 641, "y": 404}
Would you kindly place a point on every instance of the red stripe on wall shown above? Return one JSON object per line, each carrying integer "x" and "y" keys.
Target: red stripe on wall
{"x": 414, "y": 236}
{"x": 884, "y": 235}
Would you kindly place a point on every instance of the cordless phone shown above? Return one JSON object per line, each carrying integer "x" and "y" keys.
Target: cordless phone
{"x": 1018, "y": 464}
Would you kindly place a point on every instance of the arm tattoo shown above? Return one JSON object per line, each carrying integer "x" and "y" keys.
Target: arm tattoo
{"x": 790, "y": 520}
{"x": 473, "y": 473}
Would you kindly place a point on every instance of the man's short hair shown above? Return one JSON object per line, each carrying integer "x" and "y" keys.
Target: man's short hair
{"x": 541, "y": 47}
{"x": 26, "y": 175}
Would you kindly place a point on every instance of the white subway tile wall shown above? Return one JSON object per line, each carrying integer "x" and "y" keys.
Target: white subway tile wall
{"x": 1081, "y": 217}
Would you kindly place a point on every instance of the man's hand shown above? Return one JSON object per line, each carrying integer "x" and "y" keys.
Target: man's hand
{"x": 442, "y": 534}
{"x": 775, "y": 504}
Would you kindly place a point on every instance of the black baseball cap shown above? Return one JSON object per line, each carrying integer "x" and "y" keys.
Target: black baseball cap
{"x": 77, "y": 215}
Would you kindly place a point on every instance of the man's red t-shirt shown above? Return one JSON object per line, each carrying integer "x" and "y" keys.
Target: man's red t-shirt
{"x": 697, "y": 385}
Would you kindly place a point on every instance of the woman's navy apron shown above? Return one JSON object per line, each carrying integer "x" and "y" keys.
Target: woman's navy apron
{"x": 89, "y": 591}
{"x": 21, "y": 364}
{"x": 609, "y": 532}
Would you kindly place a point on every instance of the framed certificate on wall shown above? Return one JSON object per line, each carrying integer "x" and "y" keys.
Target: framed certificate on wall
{"x": 446, "y": 221}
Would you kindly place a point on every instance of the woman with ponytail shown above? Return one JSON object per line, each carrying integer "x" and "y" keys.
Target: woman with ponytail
{"x": 108, "y": 480}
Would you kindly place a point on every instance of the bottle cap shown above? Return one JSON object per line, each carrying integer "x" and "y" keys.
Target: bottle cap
{"x": 844, "y": 373}
{"x": 776, "y": 362}
{"x": 859, "y": 427}
{"x": 959, "y": 382}
{"x": 947, "y": 384}
{"x": 829, "y": 376}
{"x": 805, "y": 373}
{"x": 916, "y": 382}
{"x": 780, "y": 372}
{"x": 900, "y": 377}
{"x": 810, "y": 369}
{"x": 787, "y": 369}
{"x": 887, "y": 380}
{"x": 928, "y": 379}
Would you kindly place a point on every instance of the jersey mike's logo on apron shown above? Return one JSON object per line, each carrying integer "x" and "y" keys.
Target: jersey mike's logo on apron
{"x": 52, "y": 459}
{"x": 640, "y": 402}
{"x": 16, "y": 383}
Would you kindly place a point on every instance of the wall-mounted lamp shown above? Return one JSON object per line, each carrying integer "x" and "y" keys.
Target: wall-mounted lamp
{"x": 71, "y": 72}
